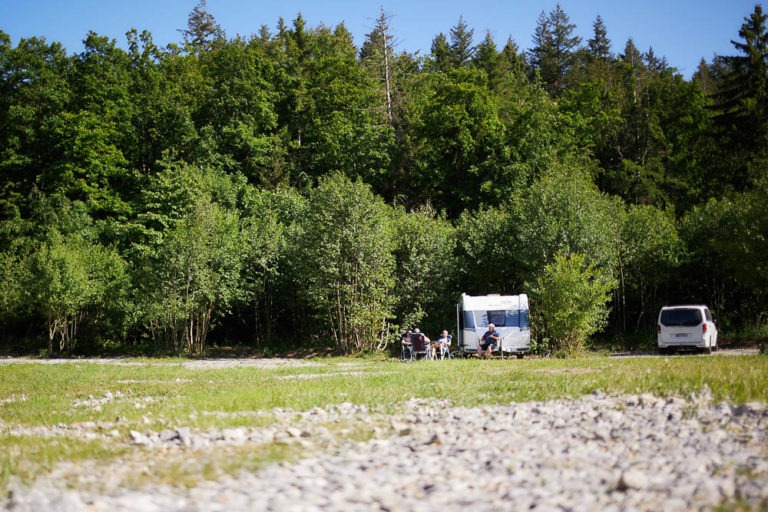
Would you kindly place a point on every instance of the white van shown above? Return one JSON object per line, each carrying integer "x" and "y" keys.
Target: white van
{"x": 509, "y": 313}
{"x": 686, "y": 326}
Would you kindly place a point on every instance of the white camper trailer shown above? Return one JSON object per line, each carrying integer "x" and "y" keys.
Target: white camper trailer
{"x": 509, "y": 313}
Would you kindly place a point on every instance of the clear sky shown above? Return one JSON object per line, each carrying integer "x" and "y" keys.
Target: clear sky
{"x": 683, "y": 31}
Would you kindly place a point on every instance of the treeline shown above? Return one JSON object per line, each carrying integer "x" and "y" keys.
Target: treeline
{"x": 288, "y": 189}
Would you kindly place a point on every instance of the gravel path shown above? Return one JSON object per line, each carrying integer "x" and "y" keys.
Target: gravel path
{"x": 621, "y": 453}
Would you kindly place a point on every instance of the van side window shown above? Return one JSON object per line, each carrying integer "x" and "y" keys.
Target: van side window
{"x": 708, "y": 314}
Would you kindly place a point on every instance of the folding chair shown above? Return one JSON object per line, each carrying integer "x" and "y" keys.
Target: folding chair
{"x": 445, "y": 350}
{"x": 419, "y": 346}
{"x": 406, "y": 352}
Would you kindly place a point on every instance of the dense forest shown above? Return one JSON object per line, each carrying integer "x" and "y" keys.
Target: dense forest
{"x": 291, "y": 190}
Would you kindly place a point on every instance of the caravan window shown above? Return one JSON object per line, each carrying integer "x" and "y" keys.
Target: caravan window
{"x": 523, "y": 318}
{"x": 500, "y": 318}
{"x": 473, "y": 319}
{"x": 503, "y": 318}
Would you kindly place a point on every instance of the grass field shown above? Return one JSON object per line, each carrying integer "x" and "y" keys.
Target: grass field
{"x": 39, "y": 401}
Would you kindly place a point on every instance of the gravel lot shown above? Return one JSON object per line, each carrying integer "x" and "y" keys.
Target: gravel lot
{"x": 601, "y": 452}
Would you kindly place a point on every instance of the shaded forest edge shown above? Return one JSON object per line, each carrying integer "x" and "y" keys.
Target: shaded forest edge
{"x": 289, "y": 192}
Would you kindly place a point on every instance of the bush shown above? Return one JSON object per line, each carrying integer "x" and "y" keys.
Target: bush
{"x": 571, "y": 296}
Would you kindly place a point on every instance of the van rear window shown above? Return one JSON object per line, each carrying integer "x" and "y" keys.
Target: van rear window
{"x": 681, "y": 317}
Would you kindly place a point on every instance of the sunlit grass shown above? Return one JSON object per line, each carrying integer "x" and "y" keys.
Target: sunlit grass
{"x": 112, "y": 399}
{"x": 26, "y": 457}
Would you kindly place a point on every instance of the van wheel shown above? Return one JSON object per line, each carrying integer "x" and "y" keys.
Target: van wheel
{"x": 708, "y": 350}
{"x": 663, "y": 351}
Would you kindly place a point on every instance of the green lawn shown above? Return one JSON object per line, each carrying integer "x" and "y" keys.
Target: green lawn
{"x": 160, "y": 394}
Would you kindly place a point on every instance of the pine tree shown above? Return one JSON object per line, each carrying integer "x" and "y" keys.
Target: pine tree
{"x": 654, "y": 63}
{"x": 461, "y": 43}
{"x": 704, "y": 76}
{"x": 599, "y": 46}
{"x": 554, "y": 50}
{"x": 202, "y": 31}
{"x": 487, "y": 57}
{"x": 631, "y": 55}
{"x": 441, "y": 53}
{"x": 512, "y": 59}
{"x": 743, "y": 93}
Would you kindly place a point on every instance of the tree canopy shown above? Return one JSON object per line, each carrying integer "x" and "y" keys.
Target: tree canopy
{"x": 290, "y": 189}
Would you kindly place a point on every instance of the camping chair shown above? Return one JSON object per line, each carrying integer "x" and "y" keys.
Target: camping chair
{"x": 419, "y": 346}
{"x": 445, "y": 350}
{"x": 406, "y": 351}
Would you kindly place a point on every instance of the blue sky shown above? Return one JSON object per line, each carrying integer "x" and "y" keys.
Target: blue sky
{"x": 683, "y": 31}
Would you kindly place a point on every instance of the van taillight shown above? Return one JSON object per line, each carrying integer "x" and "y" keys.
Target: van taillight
{"x": 658, "y": 328}
{"x": 704, "y": 327}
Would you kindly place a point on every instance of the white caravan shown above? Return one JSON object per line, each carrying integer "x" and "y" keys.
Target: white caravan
{"x": 509, "y": 313}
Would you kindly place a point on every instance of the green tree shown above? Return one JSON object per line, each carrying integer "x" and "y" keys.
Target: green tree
{"x": 554, "y": 49}
{"x": 265, "y": 242}
{"x": 460, "y": 142}
{"x": 461, "y": 47}
{"x": 487, "y": 58}
{"x": 651, "y": 252}
{"x": 344, "y": 264}
{"x": 599, "y": 46}
{"x": 34, "y": 92}
{"x": 188, "y": 251}
{"x": 164, "y": 95}
{"x": 236, "y": 115}
{"x": 73, "y": 282}
{"x": 440, "y": 54}
{"x": 92, "y": 136}
{"x": 725, "y": 264}
{"x": 326, "y": 108}
{"x": 202, "y": 32}
{"x": 571, "y": 296}
{"x": 426, "y": 280}
{"x": 488, "y": 255}
{"x": 14, "y": 303}
{"x": 563, "y": 212}
{"x": 197, "y": 274}
{"x": 742, "y": 101}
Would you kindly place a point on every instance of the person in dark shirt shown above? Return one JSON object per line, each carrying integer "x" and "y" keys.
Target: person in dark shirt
{"x": 488, "y": 342}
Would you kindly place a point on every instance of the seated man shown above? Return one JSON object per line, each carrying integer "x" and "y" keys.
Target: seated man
{"x": 488, "y": 342}
{"x": 406, "y": 346}
{"x": 441, "y": 345}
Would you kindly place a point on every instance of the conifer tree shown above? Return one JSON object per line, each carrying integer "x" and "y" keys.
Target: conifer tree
{"x": 487, "y": 57}
{"x": 742, "y": 97}
{"x": 202, "y": 31}
{"x": 461, "y": 43}
{"x": 441, "y": 53}
{"x": 599, "y": 46}
{"x": 554, "y": 49}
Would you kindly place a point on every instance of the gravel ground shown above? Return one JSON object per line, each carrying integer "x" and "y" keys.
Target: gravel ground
{"x": 601, "y": 452}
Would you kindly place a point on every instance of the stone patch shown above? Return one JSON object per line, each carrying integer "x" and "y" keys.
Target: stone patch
{"x": 601, "y": 452}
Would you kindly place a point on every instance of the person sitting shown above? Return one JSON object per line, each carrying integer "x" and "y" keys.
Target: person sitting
{"x": 488, "y": 342}
{"x": 441, "y": 345}
{"x": 406, "y": 346}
